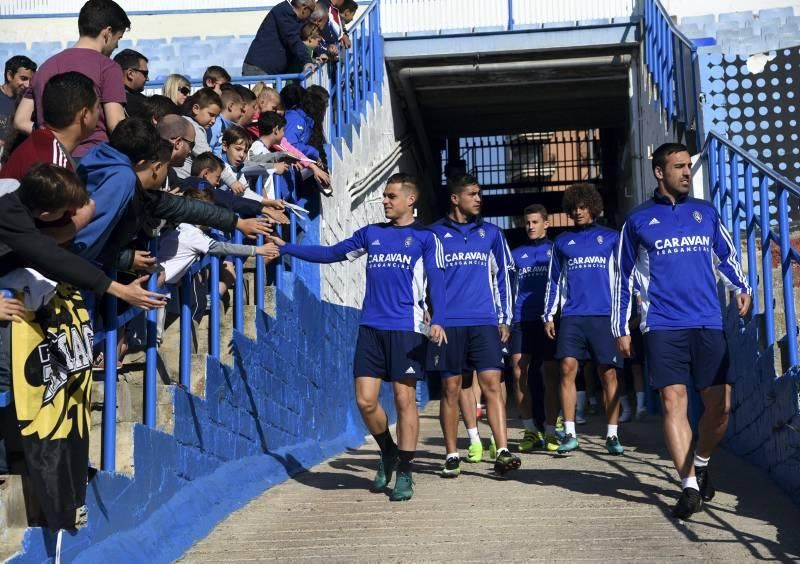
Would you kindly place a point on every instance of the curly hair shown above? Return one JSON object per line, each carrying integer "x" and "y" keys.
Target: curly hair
{"x": 582, "y": 194}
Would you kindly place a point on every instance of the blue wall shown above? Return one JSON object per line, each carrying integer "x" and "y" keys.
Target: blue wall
{"x": 285, "y": 405}
{"x": 764, "y": 421}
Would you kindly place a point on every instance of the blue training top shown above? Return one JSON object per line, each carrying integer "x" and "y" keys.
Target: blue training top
{"x": 477, "y": 267}
{"x": 579, "y": 279}
{"x": 531, "y": 264}
{"x": 401, "y": 260}
{"x": 675, "y": 251}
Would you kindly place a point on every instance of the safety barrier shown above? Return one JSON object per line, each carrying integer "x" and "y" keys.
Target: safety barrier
{"x": 671, "y": 59}
{"x": 753, "y": 201}
{"x": 356, "y": 77}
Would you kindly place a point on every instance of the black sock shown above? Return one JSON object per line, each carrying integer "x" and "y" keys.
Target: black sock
{"x": 385, "y": 442}
{"x": 406, "y": 456}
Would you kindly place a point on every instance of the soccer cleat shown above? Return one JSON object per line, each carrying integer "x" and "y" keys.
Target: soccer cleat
{"x": 707, "y": 490}
{"x": 451, "y": 468}
{"x": 568, "y": 444}
{"x": 560, "y": 423}
{"x": 580, "y": 419}
{"x": 614, "y": 446}
{"x": 475, "y": 452}
{"x": 386, "y": 467}
{"x": 492, "y": 449}
{"x": 403, "y": 488}
{"x": 533, "y": 439}
{"x": 551, "y": 442}
{"x": 505, "y": 462}
{"x": 689, "y": 502}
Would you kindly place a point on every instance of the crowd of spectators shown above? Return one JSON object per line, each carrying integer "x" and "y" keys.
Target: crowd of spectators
{"x": 93, "y": 170}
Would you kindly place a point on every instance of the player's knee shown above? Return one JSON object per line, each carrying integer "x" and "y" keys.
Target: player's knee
{"x": 367, "y": 405}
{"x": 675, "y": 400}
{"x": 451, "y": 387}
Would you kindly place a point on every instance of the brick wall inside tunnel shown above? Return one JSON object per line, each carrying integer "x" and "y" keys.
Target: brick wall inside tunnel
{"x": 285, "y": 405}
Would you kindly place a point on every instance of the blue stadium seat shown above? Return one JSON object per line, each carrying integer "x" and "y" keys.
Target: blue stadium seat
{"x": 124, "y": 44}
{"x": 149, "y": 45}
{"x": 777, "y": 13}
{"x": 50, "y": 46}
{"x": 192, "y": 40}
{"x": 14, "y": 48}
{"x": 700, "y": 21}
{"x": 743, "y": 19}
{"x": 692, "y": 31}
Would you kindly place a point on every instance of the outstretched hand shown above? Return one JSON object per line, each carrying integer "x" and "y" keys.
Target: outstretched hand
{"x": 254, "y": 226}
{"x": 137, "y": 295}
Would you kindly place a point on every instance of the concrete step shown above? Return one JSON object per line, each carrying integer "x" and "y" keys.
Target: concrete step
{"x": 15, "y": 514}
{"x": 124, "y": 445}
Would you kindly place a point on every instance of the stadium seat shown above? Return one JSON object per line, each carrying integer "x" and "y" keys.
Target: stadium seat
{"x": 777, "y": 13}
{"x": 124, "y": 44}
{"x": 691, "y": 31}
{"x": 149, "y": 45}
{"x": 743, "y": 19}
{"x": 700, "y": 21}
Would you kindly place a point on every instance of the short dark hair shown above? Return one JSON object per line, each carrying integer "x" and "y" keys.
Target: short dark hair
{"x": 216, "y": 72}
{"x": 407, "y": 182}
{"x": 309, "y": 30}
{"x": 268, "y": 121}
{"x": 248, "y": 96}
{"x": 96, "y": 15}
{"x": 207, "y": 160}
{"x": 198, "y": 194}
{"x": 536, "y": 208}
{"x": 156, "y": 107}
{"x": 291, "y": 95}
{"x": 138, "y": 140}
{"x": 206, "y": 97}
{"x": 458, "y": 184}
{"x": 64, "y": 96}
{"x": 47, "y": 188}
{"x": 584, "y": 194}
{"x": 351, "y": 5}
{"x": 129, "y": 59}
{"x": 230, "y": 96}
{"x": 234, "y": 134}
{"x": 660, "y": 155}
{"x": 18, "y": 62}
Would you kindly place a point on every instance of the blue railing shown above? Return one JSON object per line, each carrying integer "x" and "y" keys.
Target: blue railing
{"x": 753, "y": 201}
{"x": 354, "y": 79}
{"x": 671, "y": 59}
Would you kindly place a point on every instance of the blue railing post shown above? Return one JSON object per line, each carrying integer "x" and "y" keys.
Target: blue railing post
{"x": 214, "y": 319}
{"x": 108, "y": 456}
{"x": 750, "y": 233}
{"x": 735, "y": 208}
{"x": 186, "y": 332}
{"x": 151, "y": 354}
{"x": 788, "y": 278}
{"x": 361, "y": 67}
{"x": 238, "y": 288}
{"x": 766, "y": 260}
{"x": 260, "y": 283}
{"x": 510, "y": 15}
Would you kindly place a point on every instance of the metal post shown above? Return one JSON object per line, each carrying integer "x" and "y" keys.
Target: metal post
{"x": 786, "y": 269}
{"x": 510, "y": 15}
{"x": 766, "y": 260}
{"x": 750, "y": 222}
{"x": 362, "y": 67}
{"x": 151, "y": 354}
{"x": 238, "y": 288}
{"x": 186, "y": 332}
{"x": 110, "y": 383}
{"x": 214, "y": 319}
{"x": 260, "y": 283}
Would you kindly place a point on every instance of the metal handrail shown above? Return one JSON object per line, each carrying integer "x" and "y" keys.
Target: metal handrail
{"x": 732, "y": 174}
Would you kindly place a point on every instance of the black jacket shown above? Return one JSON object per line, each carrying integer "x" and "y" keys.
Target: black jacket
{"x": 22, "y": 245}
{"x": 150, "y": 204}
{"x": 278, "y": 41}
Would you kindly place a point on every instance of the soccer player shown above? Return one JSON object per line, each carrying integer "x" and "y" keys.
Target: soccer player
{"x": 678, "y": 245}
{"x": 579, "y": 283}
{"x": 402, "y": 256}
{"x": 532, "y": 353}
{"x": 477, "y": 264}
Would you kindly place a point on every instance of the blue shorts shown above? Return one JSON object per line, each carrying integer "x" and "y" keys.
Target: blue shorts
{"x": 587, "y": 337}
{"x": 390, "y": 355}
{"x": 476, "y": 347}
{"x": 692, "y": 357}
{"x": 528, "y": 338}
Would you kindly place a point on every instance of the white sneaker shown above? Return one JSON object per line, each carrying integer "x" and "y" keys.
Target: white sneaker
{"x": 580, "y": 419}
{"x": 625, "y": 416}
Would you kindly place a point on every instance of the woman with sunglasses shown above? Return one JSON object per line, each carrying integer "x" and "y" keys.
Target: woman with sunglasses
{"x": 177, "y": 89}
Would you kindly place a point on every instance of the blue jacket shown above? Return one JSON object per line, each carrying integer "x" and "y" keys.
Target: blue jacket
{"x": 579, "y": 278}
{"x": 401, "y": 262}
{"x": 111, "y": 182}
{"x": 215, "y": 132}
{"x": 531, "y": 266}
{"x": 277, "y": 41}
{"x": 299, "y": 126}
{"x": 477, "y": 266}
{"x": 676, "y": 251}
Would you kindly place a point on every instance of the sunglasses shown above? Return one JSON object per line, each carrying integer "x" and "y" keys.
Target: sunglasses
{"x": 185, "y": 90}
{"x": 145, "y": 73}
